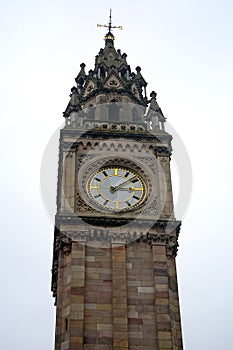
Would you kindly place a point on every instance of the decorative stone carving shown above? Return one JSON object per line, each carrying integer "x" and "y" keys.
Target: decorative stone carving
{"x": 61, "y": 242}
{"x": 171, "y": 243}
{"x": 172, "y": 247}
{"x": 83, "y": 158}
{"x": 150, "y": 161}
{"x": 103, "y": 134}
{"x": 66, "y": 244}
{"x": 89, "y": 88}
{"x": 115, "y": 126}
{"x": 163, "y": 151}
{"x": 82, "y": 206}
{"x": 98, "y": 235}
{"x": 152, "y": 209}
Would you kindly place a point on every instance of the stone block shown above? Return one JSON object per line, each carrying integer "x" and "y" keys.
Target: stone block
{"x": 76, "y": 341}
{"x": 104, "y": 327}
{"x": 162, "y": 335}
{"x": 89, "y": 306}
{"x": 161, "y": 287}
{"x": 163, "y": 318}
{"x": 120, "y": 343}
{"x": 76, "y": 282}
{"x": 145, "y": 289}
{"x": 77, "y": 307}
{"x": 165, "y": 344}
{"x": 120, "y": 320}
{"x": 77, "y": 315}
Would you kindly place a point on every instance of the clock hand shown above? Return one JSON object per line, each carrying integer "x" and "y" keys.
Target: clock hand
{"x": 113, "y": 189}
{"x": 129, "y": 189}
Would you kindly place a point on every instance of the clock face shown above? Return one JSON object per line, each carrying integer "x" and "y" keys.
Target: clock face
{"x": 116, "y": 188}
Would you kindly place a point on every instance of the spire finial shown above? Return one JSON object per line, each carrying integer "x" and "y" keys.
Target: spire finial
{"x": 109, "y": 25}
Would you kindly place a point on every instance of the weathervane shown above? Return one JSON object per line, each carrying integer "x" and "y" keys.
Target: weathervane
{"x": 109, "y": 25}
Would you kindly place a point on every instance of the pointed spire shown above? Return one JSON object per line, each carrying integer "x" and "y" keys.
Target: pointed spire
{"x": 139, "y": 77}
{"x": 154, "y": 104}
{"x": 110, "y": 80}
{"x": 82, "y": 71}
{"x": 80, "y": 79}
{"x": 155, "y": 115}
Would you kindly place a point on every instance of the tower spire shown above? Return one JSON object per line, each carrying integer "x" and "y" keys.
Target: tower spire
{"x": 109, "y": 26}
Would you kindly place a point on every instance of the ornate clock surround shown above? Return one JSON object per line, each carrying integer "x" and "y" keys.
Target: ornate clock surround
{"x": 145, "y": 164}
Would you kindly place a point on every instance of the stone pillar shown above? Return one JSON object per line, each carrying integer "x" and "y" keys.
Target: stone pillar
{"x": 68, "y": 182}
{"x": 77, "y": 302}
{"x": 98, "y": 299}
{"x": 125, "y": 112}
{"x": 165, "y": 186}
{"x": 155, "y": 122}
{"x": 101, "y": 112}
{"x": 119, "y": 298}
{"x": 174, "y": 305}
{"x": 60, "y": 283}
{"x": 63, "y": 299}
{"x": 162, "y": 310}
{"x": 141, "y": 297}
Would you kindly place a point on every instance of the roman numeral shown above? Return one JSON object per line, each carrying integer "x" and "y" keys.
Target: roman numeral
{"x": 127, "y": 174}
{"x": 96, "y": 178}
{"x": 128, "y": 203}
{"x": 135, "y": 180}
{"x": 98, "y": 195}
{"x": 105, "y": 174}
{"x": 135, "y": 197}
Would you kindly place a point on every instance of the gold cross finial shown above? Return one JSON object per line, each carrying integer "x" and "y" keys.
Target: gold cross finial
{"x": 109, "y": 25}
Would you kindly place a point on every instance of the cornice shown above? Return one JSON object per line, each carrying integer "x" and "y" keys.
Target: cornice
{"x": 157, "y": 235}
{"x": 95, "y": 134}
{"x": 166, "y": 225}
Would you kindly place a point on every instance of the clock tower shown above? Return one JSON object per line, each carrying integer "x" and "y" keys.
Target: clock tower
{"x": 115, "y": 239}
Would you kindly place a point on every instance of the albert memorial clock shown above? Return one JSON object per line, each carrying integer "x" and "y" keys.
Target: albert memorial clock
{"x": 115, "y": 240}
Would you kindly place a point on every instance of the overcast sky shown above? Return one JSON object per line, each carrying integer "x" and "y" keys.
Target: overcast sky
{"x": 185, "y": 51}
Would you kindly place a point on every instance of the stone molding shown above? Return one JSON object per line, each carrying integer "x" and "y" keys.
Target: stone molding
{"x": 156, "y": 236}
{"x": 114, "y": 126}
{"x": 101, "y": 134}
{"x": 64, "y": 244}
{"x": 158, "y": 225}
{"x": 171, "y": 243}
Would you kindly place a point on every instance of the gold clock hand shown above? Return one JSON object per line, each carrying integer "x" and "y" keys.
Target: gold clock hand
{"x": 113, "y": 189}
{"x": 129, "y": 189}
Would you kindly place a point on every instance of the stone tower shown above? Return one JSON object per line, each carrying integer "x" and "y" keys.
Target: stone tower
{"x": 115, "y": 240}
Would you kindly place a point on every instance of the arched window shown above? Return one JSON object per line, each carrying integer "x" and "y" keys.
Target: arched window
{"x": 91, "y": 112}
{"x": 136, "y": 115}
{"x": 113, "y": 111}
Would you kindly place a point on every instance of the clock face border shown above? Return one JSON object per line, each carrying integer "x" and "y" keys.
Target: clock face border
{"x": 116, "y": 188}
{"x": 146, "y": 165}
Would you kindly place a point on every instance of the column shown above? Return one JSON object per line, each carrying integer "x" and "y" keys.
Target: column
{"x": 77, "y": 302}
{"x": 165, "y": 186}
{"x": 174, "y": 305}
{"x": 68, "y": 182}
{"x": 119, "y": 298}
{"x": 162, "y": 309}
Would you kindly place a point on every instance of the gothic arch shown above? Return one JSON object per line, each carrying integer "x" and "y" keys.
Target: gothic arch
{"x": 114, "y": 111}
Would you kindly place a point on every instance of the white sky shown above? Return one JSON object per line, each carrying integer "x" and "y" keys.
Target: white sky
{"x": 185, "y": 51}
